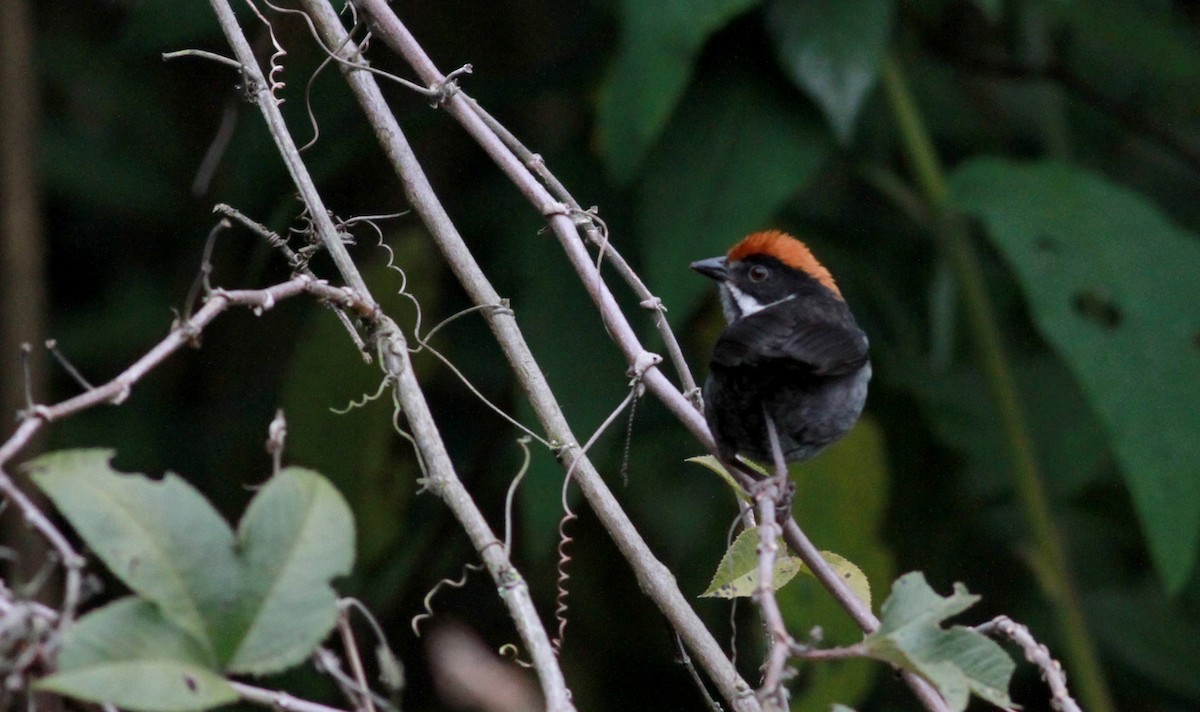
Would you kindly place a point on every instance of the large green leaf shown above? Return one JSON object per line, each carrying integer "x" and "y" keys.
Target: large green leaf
{"x": 162, "y": 539}
{"x": 257, "y": 608}
{"x": 958, "y": 661}
{"x": 1112, "y": 285}
{"x": 296, "y": 535}
{"x": 659, "y": 42}
{"x": 734, "y": 152}
{"x": 126, "y": 654}
{"x": 833, "y": 49}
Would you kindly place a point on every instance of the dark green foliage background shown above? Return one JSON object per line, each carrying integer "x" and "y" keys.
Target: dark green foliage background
{"x": 688, "y": 124}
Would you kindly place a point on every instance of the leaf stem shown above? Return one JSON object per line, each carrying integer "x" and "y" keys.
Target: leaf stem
{"x": 1050, "y": 563}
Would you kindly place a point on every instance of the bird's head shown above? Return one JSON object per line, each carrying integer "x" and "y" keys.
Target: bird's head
{"x": 764, "y": 269}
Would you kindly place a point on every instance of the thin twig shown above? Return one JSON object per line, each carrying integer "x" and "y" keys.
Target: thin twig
{"x": 118, "y": 389}
{"x": 686, "y": 662}
{"x": 768, "y": 494}
{"x": 260, "y": 90}
{"x": 52, "y": 347}
{"x": 858, "y": 650}
{"x": 202, "y": 54}
{"x": 356, "y": 666}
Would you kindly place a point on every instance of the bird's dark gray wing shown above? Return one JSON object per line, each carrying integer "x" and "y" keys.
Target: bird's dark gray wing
{"x": 789, "y": 335}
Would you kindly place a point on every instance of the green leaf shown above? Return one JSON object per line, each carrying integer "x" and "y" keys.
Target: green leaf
{"x": 849, "y": 572}
{"x": 659, "y": 43}
{"x": 833, "y": 49}
{"x": 257, "y": 609}
{"x": 162, "y": 539}
{"x": 126, "y": 654}
{"x": 1111, "y": 285}
{"x": 737, "y": 574}
{"x": 958, "y": 661}
{"x": 296, "y": 535}
{"x": 736, "y": 150}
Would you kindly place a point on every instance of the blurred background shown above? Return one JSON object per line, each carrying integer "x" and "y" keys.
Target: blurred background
{"x": 1005, "y": 191}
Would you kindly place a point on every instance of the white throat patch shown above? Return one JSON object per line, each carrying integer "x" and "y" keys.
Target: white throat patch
{"x": 739, "y": 305}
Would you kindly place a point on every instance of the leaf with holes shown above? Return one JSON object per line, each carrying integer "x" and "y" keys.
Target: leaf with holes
{"x": 1111, "y": 285}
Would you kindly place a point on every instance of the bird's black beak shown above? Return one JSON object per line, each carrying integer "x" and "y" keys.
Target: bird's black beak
{"x": 713, "y": 268}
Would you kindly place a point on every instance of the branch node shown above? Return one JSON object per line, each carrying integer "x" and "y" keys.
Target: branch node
{"x": 267, "y": 304}
{"x": 36, "y": 411}
{"x": 653, "y": 304}
{"x": 554, "y": 208}
{"x": 120, "y": 396}
{"x": 535, "y": 162}
{"x": 560, "y": 449}
{"x": 440, "y": 92}
{"x": 644, "y": 361}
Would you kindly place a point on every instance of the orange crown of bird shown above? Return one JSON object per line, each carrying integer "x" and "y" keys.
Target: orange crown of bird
{"x": 786, "y": 249}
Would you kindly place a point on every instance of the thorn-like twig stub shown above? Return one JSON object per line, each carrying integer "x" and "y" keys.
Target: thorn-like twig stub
{"x": 52, "y": 347}
{"x": 276, "y": 437}
{"x": 26, "y": 350}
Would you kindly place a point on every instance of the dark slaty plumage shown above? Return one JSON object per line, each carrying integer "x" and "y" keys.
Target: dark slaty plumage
{"x": 792, "y": 349}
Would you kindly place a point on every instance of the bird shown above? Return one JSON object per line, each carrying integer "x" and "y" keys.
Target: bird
{"x": 791, "y": 351}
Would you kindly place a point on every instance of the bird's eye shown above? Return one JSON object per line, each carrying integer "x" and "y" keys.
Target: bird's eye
{"x": 758, "y": 273}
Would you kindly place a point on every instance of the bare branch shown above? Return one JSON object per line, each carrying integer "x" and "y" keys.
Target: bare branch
{"x": 768, "y": 494}
{"x": 394, "y": 360}
{"x": 653, "y": 577}
{"x": 1038, "y": 654}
